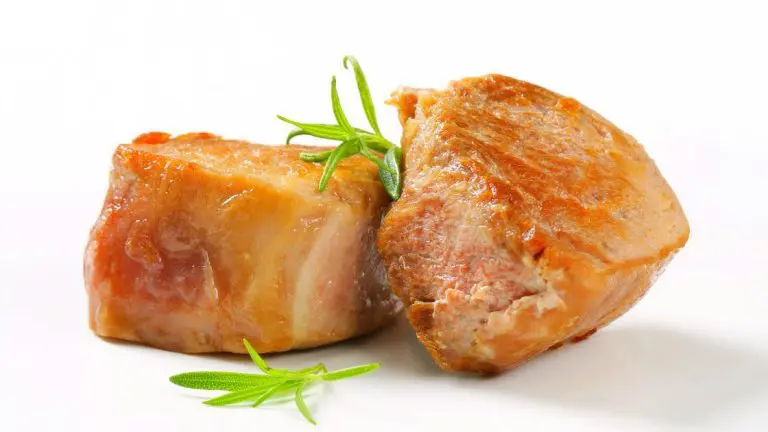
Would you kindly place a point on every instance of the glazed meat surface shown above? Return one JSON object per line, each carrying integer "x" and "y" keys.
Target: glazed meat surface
{"x": 202, "y": 242}
{"x": 526, "y": 221}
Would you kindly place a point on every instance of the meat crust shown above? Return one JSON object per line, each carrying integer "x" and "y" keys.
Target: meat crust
{"x": 526, "y": 221}
{"x": 202, "y": 242}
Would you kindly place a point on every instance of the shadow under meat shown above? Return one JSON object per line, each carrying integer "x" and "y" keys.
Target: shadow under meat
{"x": 650, "y": 372}
{"x": 395, "y": 347}
{"x": 654, "y": 373}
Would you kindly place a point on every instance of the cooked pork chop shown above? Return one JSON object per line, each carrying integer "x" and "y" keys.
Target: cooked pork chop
{"x": 526, "y": 221}
{"x": 202, "y": 242}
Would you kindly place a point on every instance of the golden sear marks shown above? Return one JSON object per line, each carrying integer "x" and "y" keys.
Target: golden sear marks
{"x": 549, "y": 188}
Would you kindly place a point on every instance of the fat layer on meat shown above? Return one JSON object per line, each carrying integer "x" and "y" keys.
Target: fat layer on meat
{"x": 203, "y": 242}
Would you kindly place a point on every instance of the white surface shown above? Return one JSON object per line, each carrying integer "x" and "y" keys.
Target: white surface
{"x": 688, "y": 80}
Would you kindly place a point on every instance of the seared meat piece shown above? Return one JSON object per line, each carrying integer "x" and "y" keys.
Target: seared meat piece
{"x": 202, "y": 242}
{"x": 526, "y": 221}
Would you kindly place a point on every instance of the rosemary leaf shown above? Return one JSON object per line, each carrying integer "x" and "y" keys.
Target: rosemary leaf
{"x": 219, "y": 380}
{"x": 331, "y": 132}
{"x": 376, "y": 143}
{"x": 274, "y": 382}
{"x": 272, "y": 391}
{"x": 303, "y": 406}
{"x": 391, "y": 178}
{"x": 375, "y": 159}
{"x": 257, "y": 360}
{"x": 353, "y": 140}
{"x": 239, "y": 395}
{"x": 315, "y": 157}
{"x": 338, "y": 112}
{"x": 294, "y": 133}
{"x": 333, "y": 160}
{"x": 365, "y": 93}
{"x": 350, "y": 372}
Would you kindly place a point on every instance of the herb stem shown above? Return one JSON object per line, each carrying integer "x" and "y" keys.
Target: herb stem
{"x": 353, "y": 140}
{"x": 259, "y": 388}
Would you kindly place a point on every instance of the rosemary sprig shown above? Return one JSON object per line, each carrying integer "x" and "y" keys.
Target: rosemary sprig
{"x": 353, "y": 140}
{"x": 259, "y": 388}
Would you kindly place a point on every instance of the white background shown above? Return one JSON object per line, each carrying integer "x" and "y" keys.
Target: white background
{"x": 687, "y": 79}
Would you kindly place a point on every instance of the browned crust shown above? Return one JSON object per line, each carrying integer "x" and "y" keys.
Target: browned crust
{"x": 602, "y": 220}
{"x": 199, "y": 208}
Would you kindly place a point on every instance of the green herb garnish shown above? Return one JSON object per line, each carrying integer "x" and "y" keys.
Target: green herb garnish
{"x": 258, "y": 388}
{"x": 353, "y": 140}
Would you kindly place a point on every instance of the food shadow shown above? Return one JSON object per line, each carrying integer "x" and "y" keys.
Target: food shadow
{"x": 648, "y": 372}
{"x": 398, "y": 350}
{"x": 395, "y": 347}
{"x": 653, "y": 373}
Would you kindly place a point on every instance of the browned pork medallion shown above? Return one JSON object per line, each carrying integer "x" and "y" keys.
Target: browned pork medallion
{"x": 204, "y": 241}
{"x": 527, "y": 220}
